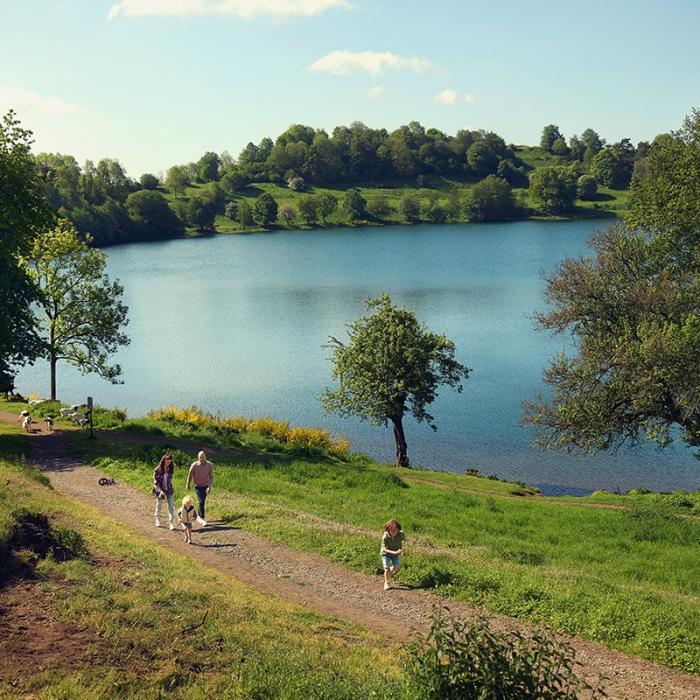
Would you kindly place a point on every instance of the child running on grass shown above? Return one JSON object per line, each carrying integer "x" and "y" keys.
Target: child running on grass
{"x": 187, "y": 515}
{"x": 393, "y": 542}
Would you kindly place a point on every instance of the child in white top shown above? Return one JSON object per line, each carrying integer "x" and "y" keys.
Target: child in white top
{"x": 187, "y": 515}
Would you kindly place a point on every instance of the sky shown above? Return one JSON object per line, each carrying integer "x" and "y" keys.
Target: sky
{"x": 155, "y": 83}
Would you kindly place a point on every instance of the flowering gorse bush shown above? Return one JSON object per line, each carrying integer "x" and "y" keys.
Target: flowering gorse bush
{"x": 279, "y": 431}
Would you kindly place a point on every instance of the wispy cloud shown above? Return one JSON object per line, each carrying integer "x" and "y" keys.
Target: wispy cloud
{"x": 27, "y": 101}
{"x": 373, "y": 62}
{"x": 451, "y": 97}
{"x": 376, "y": 92}
{"x": 245, "y": 9}
{"x": 446, "y": 97}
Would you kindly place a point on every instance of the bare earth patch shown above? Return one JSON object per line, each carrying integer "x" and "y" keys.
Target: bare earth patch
{"x": 35, "y": 638}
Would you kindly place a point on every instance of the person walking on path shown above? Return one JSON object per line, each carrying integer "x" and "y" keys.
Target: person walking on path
{"x": 393, "y": 542}
{"x": 163, "y": 488}
{"x": 187, "y": 515}
{"x": 202, "y": 474}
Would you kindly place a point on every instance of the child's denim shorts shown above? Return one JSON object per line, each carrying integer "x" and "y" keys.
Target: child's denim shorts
{"x": 391, "y": 560}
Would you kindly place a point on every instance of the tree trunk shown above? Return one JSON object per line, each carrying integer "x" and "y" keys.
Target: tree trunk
{"x": 52, "y": 369}
{"x": 401, "y": 448}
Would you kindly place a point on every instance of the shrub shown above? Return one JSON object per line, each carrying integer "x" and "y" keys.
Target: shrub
{"x": 656, "y": 523}
{"x": 468, "y": 660}
{"x": 279, "y": 431}
{"x": 586, "y": 187}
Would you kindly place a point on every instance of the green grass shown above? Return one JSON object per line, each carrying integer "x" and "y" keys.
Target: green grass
{"x": 623, "y": 576}
{"x": 627, "y": 578}
{"x": 135, "y": 599}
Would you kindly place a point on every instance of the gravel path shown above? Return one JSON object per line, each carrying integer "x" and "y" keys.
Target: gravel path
{"x": 312, "y": 581}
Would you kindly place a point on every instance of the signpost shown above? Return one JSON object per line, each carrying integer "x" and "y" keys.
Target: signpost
{"x": 89, "y": 412}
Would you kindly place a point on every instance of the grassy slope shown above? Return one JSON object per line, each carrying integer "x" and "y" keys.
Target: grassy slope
{"x": 136, "y": 597}
{"x": 607, "y": 203}
{"x": 623, "y": 577}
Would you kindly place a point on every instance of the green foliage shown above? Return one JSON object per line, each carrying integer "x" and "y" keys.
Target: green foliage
{"x": 245, "y": 215}
{"x": 23, "y": 212}
{"x": 308, "y": 210}
{"x": 586, "y": 187}
{"x": 469, "y": 660}
{"x": 265, "y": 210}
{"x": 550, "y": 135}
{"x": 559, "y": 147}
{"x": 81, "y": 314}
{"x": 152, "y": 216}
{"x": 287, "y": 214}
{"x": 554, "y": 188}
{"x": 490, "y": 200}
{"x": 657, "y": 523}
{"x": 326, "y": 203}
{"x": 409, "y": 206}
{"x": 176, "y": 179}
{"x": 380, "y": 207}
{"x": 636, "y": 372}
{"x": 149, "y": 181}
{"x": 201, "y": 210}
{"x": 355, "y": 204}
{"x": 391, "y": 365}
{"x": 604, "y": 167}
{"x": 208, "y": 167}
{"x": 665, "y": 194}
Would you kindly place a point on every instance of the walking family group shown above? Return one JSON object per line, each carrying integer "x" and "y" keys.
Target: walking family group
{"x": 201, "y": 476}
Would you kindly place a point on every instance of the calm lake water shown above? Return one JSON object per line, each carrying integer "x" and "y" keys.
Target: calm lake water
{"x": 235, "y": 325}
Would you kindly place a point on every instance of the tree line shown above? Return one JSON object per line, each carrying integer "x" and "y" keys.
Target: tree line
{"x": 102, "y": 200}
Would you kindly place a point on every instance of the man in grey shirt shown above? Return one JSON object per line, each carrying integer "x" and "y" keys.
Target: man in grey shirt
{"x": 202, "y": 474}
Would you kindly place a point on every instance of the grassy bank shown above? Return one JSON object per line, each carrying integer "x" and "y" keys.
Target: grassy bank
{"x": 622, "y": 576}
{"x": 127, "y": 605}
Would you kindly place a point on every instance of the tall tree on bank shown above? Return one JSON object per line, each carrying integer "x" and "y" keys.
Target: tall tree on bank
{"x": 23, "y": 212}
{"x": 81, "y": 312}
{"x": 634, "y": 313}
{"x": 390, "y": 366}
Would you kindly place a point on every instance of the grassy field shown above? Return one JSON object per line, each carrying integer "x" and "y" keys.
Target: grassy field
{"x": 129, "y": 602}
{"x": 624, "y": 576}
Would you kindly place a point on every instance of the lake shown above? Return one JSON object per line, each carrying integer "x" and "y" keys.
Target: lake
{"x": 235, "y": 324}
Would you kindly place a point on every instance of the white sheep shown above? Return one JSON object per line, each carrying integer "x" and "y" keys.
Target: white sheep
{"x": 49, "y": 423}
{"x": 65, "y": 412}
{"x": 27, "y": 423}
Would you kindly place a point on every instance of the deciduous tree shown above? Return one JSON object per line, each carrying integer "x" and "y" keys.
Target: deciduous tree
{"x": 81, "y": 311}
{"x": 265, "y": 210}
{"x": 490, "y": 200}
{"x": 326, "y": 204}
{"x": 355, "y": 204}
{"x": 635, "y": 372}
{"x": 391, "y": 366}
{"x": 23, "y": 212}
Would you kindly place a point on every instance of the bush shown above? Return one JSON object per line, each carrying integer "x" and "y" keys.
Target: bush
{"x": 468, "y": 660}
{"x": 586, "y": 187}
{"x": 656, "y": 523}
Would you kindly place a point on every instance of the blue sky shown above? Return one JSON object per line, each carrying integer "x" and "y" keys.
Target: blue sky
{"x": 158, "y": 82}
